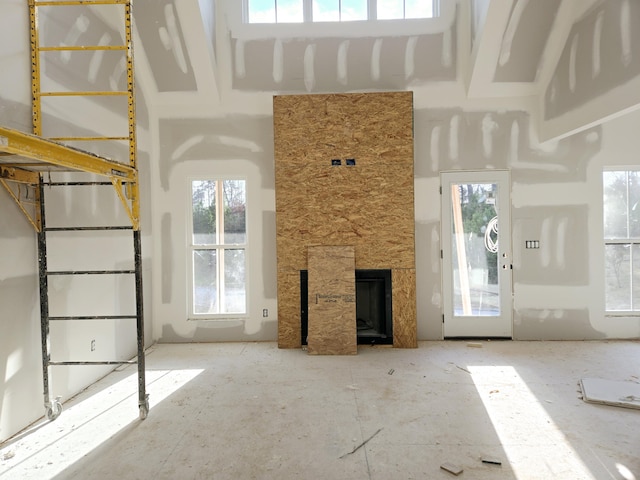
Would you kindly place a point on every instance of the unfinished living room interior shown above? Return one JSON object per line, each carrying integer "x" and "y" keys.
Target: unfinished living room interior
{"x": 320, "y": 239}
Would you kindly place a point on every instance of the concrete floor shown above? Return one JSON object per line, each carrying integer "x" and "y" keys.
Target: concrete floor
{"x": 252, "y": 411}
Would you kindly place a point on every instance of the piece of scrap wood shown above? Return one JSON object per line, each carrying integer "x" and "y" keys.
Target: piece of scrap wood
{"x": 474, "y": 344}
{"x": 451, "y": 468}
{"x": 491, "y": 460}
{"x": 362, "y": 444}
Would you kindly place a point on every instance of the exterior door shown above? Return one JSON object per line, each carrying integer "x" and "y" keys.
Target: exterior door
{"x": 476, "y": 254}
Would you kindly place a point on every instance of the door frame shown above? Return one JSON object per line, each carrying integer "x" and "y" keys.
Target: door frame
{"x": 451, "y": 327}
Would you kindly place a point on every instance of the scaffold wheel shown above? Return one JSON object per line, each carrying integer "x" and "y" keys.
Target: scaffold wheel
{"x": 54, "y": 409}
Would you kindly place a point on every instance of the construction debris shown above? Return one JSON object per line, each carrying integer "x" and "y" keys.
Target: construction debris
{"x": 474, "y": 344}
{"x": 9, "y": 455}
{"x": 609, "y": 392}
{"x": 362, "y": 444}
{"x": 451, "y": 468}
{"x": 463, "y": 369}
{"x": 491, "y": 460}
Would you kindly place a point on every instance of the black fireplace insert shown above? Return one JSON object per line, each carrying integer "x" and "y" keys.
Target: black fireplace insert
{"x": 373, "y": 307}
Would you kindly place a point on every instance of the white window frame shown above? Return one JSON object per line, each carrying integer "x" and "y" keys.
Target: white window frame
{"x": 220, "y": 248}
{"x": 619, "y": 241}
{"x": 238, "y": 15}
{"x": 307, "y": 8}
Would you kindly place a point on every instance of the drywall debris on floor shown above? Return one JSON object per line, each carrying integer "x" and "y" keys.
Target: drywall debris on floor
{"x": 451, "y": 468}
{"x": 491, "y": 460}
{"x": 474, "y": 344}
{"x": 610, "y": 392}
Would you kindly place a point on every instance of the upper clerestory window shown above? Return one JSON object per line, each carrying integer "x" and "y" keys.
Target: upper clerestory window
{"x": 286, "y": 19}
{"x": 307, "y": 11}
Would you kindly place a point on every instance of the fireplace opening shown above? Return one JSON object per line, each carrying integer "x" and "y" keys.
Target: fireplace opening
{"x": 373, "y": 307}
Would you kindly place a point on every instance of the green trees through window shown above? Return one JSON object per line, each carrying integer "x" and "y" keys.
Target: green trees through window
{"x": 218, "y": 247}
{"x": 478, "y": 208}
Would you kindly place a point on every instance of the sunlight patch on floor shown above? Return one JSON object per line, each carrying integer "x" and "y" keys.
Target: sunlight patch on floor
{"x": 527, "y": 433}
{"x": 625, "y": 472}
{"x": 48, "y": 448}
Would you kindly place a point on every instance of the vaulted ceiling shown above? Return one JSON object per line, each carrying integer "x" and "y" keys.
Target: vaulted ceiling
{"x": 196, "y": 56}
{"x": 514, "y": 46}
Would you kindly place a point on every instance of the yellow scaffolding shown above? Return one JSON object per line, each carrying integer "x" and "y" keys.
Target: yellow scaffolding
{"x": 26, "y": 158}
{"x": 51, "y": 153}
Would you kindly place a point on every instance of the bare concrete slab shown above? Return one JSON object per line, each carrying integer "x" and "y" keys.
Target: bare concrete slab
{"x": 228, "y": 411}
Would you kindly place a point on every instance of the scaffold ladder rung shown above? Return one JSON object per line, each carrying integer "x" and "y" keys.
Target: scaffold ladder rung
{"x": 126, "y": 362}
{"x": 93, "y": 317}
{"x": 86, "y": 229}
{"x": 81, "y": 48}
{"x": 60, "y": 157}
{"x": 87, "y": 139}
{"x": 92, "y": 272}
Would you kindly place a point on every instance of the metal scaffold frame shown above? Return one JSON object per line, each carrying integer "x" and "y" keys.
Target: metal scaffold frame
{"x": 26, "y": 158}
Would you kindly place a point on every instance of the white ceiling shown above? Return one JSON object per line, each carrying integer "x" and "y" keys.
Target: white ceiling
{"x": 515, "y": 44}
{"x": 196, "y": 57}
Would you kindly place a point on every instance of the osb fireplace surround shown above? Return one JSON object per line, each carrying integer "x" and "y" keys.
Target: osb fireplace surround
{"x": 369, "y": 206}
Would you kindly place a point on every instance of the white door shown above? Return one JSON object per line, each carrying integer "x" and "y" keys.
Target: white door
{"x": 476, "y": 254}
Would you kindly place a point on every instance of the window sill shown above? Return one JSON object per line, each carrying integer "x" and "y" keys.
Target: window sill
{"x": 219, "y": 318}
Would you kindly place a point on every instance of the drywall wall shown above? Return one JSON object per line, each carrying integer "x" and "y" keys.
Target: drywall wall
{"x": 524, "y": 40}
{"x": 556, "y": 186}
{"x": 555, "y": 197}
{"x": 556, "y": 193}
{"x": 598, "y": 74}
{"x": 343, "y": 64}
{"x": 160, "y": 25}
{"x": 237, "y": 146}
{"x": 554, "y": 200}
{"x": 621, "y": 145}
{"x": 20, "y": 365}
{"x": 21, "y": 399}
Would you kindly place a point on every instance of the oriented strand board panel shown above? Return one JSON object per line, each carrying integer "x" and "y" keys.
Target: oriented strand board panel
{"x": 369, "y": 205}
{"x": 405, "y": 330}
{"x": 289, "y": 309}
{"x": 373, "y": 128}
{"x": 332, "y": 301}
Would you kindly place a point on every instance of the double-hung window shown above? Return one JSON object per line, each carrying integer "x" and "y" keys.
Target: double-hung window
{"x": 217, "y": 253}
{"x": 621, "y": 190}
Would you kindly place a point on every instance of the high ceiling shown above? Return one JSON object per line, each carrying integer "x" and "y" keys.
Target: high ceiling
{"x": 197, "y": 57}
{"x": 514, "y": 46}
{"x": 200, "y": 52}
